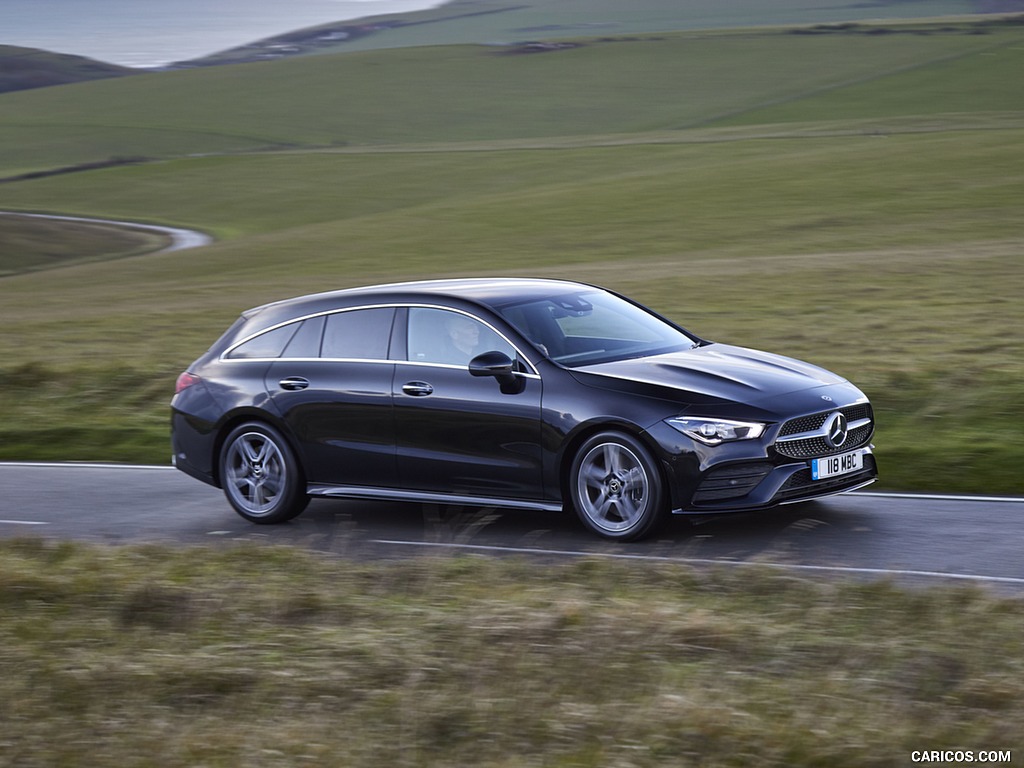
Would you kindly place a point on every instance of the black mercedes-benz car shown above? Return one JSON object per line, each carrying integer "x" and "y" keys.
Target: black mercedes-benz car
{"x": 539, "y": 394}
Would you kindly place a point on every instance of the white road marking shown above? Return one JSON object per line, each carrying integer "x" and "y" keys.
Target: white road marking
{"x": 81, "y": 465}
{"x": 21, "y": 522}
{"x": 705, "y": 561}
{"x": 937, "y": 497}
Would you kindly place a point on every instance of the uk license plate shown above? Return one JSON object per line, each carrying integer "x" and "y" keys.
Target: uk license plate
{"x": 832, "y": 466}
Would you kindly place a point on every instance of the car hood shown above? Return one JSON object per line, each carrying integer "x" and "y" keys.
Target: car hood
{"x": 720, "y": 373}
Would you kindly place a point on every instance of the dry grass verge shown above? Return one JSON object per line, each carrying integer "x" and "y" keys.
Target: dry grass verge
{"x": 266, "y": 656}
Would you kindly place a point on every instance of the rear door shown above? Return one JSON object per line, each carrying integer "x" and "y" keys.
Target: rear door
{"x": 332, "y": 387}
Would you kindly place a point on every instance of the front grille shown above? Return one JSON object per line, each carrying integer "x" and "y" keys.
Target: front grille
{"x": 731, "y": 482}
{"x": 813, "y": 446}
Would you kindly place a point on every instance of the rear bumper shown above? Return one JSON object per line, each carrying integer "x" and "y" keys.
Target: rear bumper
{"x": 191, "y": 448}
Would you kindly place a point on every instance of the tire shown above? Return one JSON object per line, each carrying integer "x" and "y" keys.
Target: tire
{"x": 260, "y": 476}
{"x": 616, "y": 488}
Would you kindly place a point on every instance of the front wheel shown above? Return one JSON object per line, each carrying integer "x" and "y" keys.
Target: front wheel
{"x": 260, "y": 475}
{"x": 616, "y": 488}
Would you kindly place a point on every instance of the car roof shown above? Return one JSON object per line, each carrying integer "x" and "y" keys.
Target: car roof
{"x": 490, "y": 291}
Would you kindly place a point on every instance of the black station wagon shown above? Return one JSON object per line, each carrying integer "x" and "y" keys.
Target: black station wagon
{"x": 515, "y": 393}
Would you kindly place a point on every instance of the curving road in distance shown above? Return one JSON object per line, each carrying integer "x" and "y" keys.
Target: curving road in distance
{"x": 180, "y": 238}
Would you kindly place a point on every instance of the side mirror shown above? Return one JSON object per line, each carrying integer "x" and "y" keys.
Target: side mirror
{"x": 501, "y": 367}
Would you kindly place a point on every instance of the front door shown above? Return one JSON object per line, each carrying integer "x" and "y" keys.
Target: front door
{"x": 456, "y": 433}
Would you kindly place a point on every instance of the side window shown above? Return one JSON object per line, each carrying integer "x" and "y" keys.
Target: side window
{"x": 450, "y": 338}
{"x": 360, "y": 334}
{"x": 266, "y": 345}
{"x": 306, "y": 342}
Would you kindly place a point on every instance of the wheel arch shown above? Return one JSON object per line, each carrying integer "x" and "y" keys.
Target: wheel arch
{"x": 239, "y": 417}
{"x": 588, "y": 430}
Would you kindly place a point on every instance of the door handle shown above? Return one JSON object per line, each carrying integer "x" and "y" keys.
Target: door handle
{"x": 417, "y": 389}
{"x": 293, "y": 383}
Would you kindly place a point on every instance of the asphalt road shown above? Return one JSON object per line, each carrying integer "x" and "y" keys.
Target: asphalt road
{"x": 180, "y": 238}
{"x": 925, "y": 539}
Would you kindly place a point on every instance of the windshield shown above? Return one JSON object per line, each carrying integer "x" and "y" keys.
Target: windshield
{"x": 592, "y": 326}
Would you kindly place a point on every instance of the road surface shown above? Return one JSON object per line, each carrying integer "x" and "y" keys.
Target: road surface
{"x": 180, "y": 238}
{"x": 928, "y": 539}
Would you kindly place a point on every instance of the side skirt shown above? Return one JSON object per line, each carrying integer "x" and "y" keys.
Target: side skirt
{"x": 389, "y": 494}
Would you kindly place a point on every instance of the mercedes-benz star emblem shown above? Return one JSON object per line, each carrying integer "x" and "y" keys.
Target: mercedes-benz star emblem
{"x": 836, "y": 429}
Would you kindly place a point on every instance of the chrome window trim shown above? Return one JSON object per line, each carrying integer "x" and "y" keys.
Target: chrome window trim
{"x": 419, "y": 364}
{"x": 533, "y": 373}
{"x": 450, "y": 367}
{"x": 374, "y": 361}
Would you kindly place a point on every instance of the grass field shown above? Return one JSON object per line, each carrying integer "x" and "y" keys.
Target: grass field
{"x": 863, "y": 213}
{"x": 267, "y": 656}
{"x": 442, "y": 95}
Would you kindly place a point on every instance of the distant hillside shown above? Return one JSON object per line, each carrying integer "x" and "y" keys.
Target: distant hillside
{"x": 24, "y": 68}
{"x": 522, "y": 21}
{"x": 509, "y": 23}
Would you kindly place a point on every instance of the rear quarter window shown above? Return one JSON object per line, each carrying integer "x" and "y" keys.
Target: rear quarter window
{"x": 269, "y": 344}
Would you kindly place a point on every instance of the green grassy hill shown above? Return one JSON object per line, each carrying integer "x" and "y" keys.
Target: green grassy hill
{"x": 499, "y": 22}
{"x": 850, "y": 198}
{"x": 476, "y": 93}
{"x": 22, "y": 68}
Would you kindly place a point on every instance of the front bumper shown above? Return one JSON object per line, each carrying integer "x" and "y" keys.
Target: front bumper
{"x": 762, "y": 484}
{"x": 747, "y": 475}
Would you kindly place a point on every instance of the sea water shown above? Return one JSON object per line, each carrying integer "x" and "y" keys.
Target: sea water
{"x": 154, "y": 33}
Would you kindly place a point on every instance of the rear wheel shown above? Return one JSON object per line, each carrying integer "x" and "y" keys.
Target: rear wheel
{"x": 260, "y": 475}
{"x": 616, "y": 488}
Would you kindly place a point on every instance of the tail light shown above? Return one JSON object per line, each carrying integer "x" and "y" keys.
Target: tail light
{"x": 185, "y": 381}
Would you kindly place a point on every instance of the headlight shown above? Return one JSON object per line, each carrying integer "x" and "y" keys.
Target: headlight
{"x": 716, "y": 431}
